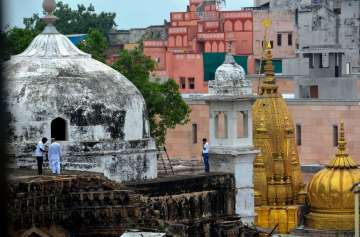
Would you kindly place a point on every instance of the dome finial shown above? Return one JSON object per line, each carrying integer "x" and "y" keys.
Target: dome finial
{"x": 341, "y": 140}
{"x": 229, "y": 59}
{"x": 268, "y": 85}
{"x": 342, "y": 158}
{"x": 49, "y": 6}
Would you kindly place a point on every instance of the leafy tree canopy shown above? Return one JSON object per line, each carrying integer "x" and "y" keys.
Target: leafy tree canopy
{"x": 95, "y": 44}
{"x": 15, "y": 41}
{"x": 78, "y": 21}
{"x": 166, "y": 108}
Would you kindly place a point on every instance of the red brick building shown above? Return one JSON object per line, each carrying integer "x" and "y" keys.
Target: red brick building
{"x": 195, "y": 33}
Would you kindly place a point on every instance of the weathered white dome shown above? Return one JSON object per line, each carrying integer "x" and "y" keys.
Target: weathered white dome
{"x": 53, "y": 79}
{"x": 230, "y": 79}
{"x": 229, "y": 70}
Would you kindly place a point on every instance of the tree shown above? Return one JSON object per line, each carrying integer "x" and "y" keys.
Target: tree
{"x": 83, "y": 20}
{"x": 78, "y": 21}
{"x": 15, "y": 40}
{"x": 166, "y": 108}
{"x": 95, "y": 44}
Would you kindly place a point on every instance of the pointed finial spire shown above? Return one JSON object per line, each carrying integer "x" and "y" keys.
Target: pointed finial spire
{"x": 229, "y": 59}
{"x": 342, "y": 158}
{"x": 268, "y": 85}
{"x": 49, "y": 6}
{"x": 341, "y": 140}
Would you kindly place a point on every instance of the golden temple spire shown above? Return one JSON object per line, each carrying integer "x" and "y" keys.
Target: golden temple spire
{"x": 268, "y": 85}
{"x": 342, "y": 158}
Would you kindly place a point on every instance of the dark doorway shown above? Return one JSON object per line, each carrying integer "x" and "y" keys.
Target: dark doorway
{"x": 58, "y": 129}
{"x": 314, "y": 92}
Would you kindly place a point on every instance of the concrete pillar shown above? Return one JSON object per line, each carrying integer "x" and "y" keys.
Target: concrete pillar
{"x": 239, "y": 163}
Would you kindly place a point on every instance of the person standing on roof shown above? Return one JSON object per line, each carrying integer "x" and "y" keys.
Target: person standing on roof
{"x": 55, "y": 156}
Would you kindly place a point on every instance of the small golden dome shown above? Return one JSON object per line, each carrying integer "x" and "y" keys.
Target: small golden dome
{"x": 329, "y": 192}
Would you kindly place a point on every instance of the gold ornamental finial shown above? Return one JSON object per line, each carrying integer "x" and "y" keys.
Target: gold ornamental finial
{"x": 342, "y": 158}
{"x": 341, "y": 141}
{"x": 266, "y": 24}
{"x": 268, "y": 85}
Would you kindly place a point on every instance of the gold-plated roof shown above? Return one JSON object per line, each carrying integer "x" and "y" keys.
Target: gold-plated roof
{"x": 329, "y": 191}
{"x": 277, "y": 175}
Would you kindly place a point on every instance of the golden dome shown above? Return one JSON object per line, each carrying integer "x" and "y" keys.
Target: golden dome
{"x": 277, "y": 172}
{"x": 330, "y": 197}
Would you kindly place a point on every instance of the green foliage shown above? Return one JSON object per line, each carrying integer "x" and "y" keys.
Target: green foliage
{"x": 15, "y": 41}
{"x": 95, "y": 44}
{"x": 166, "y": 108}
{"x": 78, "y": 21}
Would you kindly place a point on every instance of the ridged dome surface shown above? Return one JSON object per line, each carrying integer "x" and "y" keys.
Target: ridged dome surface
{"x": 229, "y": 70}
{"x": 330, "y": 197}
{"x": 230, "y": 79}
{"x": 53, "y": 79}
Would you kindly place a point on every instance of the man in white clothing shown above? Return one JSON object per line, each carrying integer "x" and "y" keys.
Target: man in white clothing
{"x": 205, "y": 154}
{"x": 39, "y": 153}
{"x": 54, "y": 156}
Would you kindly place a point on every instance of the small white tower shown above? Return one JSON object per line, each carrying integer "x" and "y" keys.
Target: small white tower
{"x": 231, "y": 144}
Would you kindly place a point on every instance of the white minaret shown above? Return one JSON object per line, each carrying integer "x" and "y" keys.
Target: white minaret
{"x": 231, "y": 143}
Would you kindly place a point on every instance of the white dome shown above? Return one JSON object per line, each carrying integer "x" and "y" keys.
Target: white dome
{"x": 230, "y": 79}
{"x": 229, "y": 70}
{"x": 53, "y": 79}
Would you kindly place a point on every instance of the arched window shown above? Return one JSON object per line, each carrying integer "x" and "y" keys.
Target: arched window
{"x": 214, "y": 47}
{"x": 207, "y": 47}
{"x": 58, "y": 129}
{"x": 179, "y": 42}
{"x": 221, "y": 125}
{"x": 221, "y": 47}
{"x": 171, "y": 41}
{"x": 228, "y": 26}
{"x": 242, "y": 124}
{"x": 185, "y": 42}
{"x": 248, "y": 25}
{"x": 238, "y": 26}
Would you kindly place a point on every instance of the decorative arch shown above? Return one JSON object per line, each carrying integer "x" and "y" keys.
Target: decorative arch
{"x": 185, "y": 41}
{"x": 178, "y": 41}
{"x": 59, "y": 129}
{"x": 248, "y": 25}
{"x": 221, "y": 125}
{"x": 207, "y": 47}
{"x": 238, "y": 26}
{"x": 171, "y": 41}
{"x": 214, "y": 47}
{"x": 221, "y": 47}
{"x": 228, "y": 26}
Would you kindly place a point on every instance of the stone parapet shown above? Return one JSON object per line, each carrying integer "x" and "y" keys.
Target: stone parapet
{"x": 118, "y": 161}
{"x": 90, "y": 205}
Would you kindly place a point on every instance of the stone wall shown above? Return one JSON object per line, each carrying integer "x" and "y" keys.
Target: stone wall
{"x": 331, "y": 88}
{"x": 118, "y": 161}
{"x": 122, "y": 37}
{"x": 88, "y": 205}
{"x": 316, "y": 118}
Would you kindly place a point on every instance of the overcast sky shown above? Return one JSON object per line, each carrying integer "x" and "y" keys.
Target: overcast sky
{"x": 129, "y": 13}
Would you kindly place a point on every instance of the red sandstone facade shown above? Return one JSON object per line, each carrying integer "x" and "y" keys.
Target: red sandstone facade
{"x": 191, "y": 34}
{"x": 180, "y": 57}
